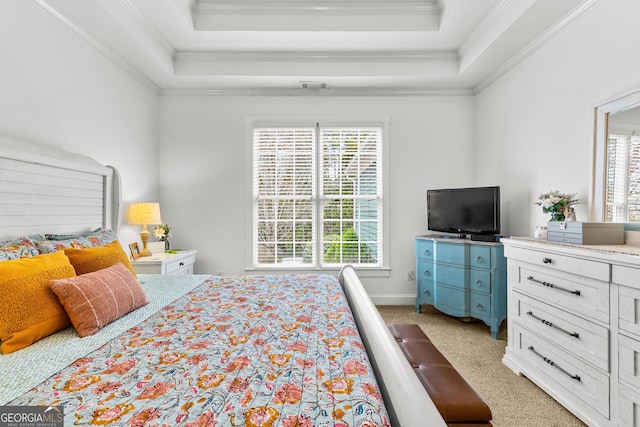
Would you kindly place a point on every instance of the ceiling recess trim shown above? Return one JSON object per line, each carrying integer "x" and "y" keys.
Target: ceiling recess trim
{"x": 329, "y": 7}
{"x": 316, "y": 15}
{"x": 407, "y": 91}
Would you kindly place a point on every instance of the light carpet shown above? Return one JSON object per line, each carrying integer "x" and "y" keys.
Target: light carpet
{"x": 514, "y": 400}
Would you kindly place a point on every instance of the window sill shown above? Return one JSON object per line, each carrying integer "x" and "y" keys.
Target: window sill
{"x": 360, "y": 271}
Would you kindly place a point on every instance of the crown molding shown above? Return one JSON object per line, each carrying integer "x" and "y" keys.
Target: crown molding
{"x": 99, "y": 46}
{"x": 143, "y": 22}
{"x": 536, "y": 44}
{"x": 321, "y": 92}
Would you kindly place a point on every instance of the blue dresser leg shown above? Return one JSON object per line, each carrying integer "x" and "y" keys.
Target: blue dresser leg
{"x": 418, "y": 308}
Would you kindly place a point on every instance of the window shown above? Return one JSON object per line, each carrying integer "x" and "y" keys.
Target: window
{"x": 622, "y": 198}
{"x": 317, "y": 196}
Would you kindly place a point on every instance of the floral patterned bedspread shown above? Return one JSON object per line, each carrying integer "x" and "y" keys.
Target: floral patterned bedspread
{"x": 279, "y": 350}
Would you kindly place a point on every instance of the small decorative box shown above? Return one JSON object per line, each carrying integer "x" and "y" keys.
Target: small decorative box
{"x": 586, "y": 233}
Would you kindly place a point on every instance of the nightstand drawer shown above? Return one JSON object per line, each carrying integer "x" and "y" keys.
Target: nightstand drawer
{"x": 180, "y": 266}
{"x": 164, "y": 263}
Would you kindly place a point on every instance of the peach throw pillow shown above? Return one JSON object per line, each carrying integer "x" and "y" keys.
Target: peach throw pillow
{"x": 95, "y": 299}
{"x": 29, "y": 310}
{"x": 88, "y": 260}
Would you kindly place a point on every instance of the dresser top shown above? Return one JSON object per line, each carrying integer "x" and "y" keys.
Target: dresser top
{"x": 624, "y": 253}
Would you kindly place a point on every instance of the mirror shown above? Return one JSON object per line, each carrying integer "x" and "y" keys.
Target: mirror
{"x": 615, "y": 195}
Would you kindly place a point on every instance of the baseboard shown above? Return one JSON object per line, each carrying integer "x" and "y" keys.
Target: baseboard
{"x": 393, "y": 299}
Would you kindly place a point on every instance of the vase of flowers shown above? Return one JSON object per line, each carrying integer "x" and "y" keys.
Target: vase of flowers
{"x": 163, "y": 232}
{"x": 556, "y": 203}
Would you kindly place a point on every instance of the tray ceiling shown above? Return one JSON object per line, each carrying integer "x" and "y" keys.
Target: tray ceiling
{"x": 354, "y": 46}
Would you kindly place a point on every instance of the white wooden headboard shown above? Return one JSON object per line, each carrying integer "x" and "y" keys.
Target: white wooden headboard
{"x": 47, "y": 190}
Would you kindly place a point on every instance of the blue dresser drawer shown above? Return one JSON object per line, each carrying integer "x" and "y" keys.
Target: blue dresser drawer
{"x": 450, "y": 275}
{"x": 480, "y": 281}
{"x": 451, "y": 253}
{"x": 425, "y": 292}
{"x": 480, "y": 257}
{"x": 480, "y": 305}
{"x": 424, "y": 250}
{"x": 451, "y": 301}
{"x": 425, "y": 271}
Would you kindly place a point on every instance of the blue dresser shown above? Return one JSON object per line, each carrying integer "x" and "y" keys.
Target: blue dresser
{"x": 462, "y": 278}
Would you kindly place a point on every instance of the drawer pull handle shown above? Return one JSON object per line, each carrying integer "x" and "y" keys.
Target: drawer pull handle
{"x": 551, "y": 285}
{"x": 427, "y": 273}
{"x": 427, "y": 293}
{"x": 427, "y": 251}
{"x": 479, "y": 307}
{"x": 478, "y": 282}
{"x": 478, "y": 258}
{"x": 550, "y": 324}
{"x": 547, "y": 260}
{"x": 552, "y": 363}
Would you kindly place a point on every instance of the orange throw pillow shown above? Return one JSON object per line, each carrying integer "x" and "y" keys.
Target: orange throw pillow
{"x": 29, "y": 310}
{"x": 95, "y": 299}
{"x": 88, "y": 260}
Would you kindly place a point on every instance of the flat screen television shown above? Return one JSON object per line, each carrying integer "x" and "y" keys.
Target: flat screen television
{"x": 469, "y": 211}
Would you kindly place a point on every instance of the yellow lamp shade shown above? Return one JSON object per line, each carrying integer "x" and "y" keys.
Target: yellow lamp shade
{"x": 144, "y": 214}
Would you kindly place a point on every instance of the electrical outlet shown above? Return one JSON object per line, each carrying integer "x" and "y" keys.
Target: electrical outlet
{"x": 411, "y": 276}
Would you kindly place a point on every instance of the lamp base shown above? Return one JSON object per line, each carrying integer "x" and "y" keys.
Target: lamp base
{"x": 145, "y": 252}
{"x": 144, "y": 236}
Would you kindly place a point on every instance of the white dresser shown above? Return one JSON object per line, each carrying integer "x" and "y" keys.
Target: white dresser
{"x": 574, "y": 325}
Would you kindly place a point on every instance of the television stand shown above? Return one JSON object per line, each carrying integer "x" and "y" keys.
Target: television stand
{"x": 462, "y": 278}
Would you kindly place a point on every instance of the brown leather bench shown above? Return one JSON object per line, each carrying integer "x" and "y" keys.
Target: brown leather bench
{"x": 457, "y": 402}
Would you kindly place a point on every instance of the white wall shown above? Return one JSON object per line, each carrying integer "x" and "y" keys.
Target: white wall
{"x": 204, "y": 163}
{"x": 534, "y": 126}
{"x": 56, "y": 89}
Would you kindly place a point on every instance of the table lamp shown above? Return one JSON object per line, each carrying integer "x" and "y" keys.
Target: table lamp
{"x": 144, "y": 214}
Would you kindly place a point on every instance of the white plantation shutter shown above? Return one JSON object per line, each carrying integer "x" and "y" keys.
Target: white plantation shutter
{"x": 317, "y": 196}
{"x": 351, "y": 188}
{"x": 622, "y": 194}
{"x": 283, "y": 187}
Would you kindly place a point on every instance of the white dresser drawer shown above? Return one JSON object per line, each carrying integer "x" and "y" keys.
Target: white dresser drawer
{"x": 575, "y": 380}
{"x": 629, "y": 310}
{"x": 628, "y": 407}
{"x": 580, "y": 337}
{"x": 582, "y": 267}
{"x": 629, "y": 361}
{"x": 577, "y": 294}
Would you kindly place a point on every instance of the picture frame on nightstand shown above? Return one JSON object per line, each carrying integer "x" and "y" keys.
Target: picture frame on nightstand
{"x": 135, "y": 250}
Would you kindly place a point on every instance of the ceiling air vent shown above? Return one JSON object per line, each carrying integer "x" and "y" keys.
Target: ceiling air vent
{"x": 313, "y": 85}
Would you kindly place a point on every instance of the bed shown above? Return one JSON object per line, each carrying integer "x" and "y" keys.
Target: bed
{"x": 290, "y": 350}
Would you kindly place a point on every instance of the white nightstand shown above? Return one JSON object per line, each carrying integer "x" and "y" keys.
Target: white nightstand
{"x": 170, "y": 264}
